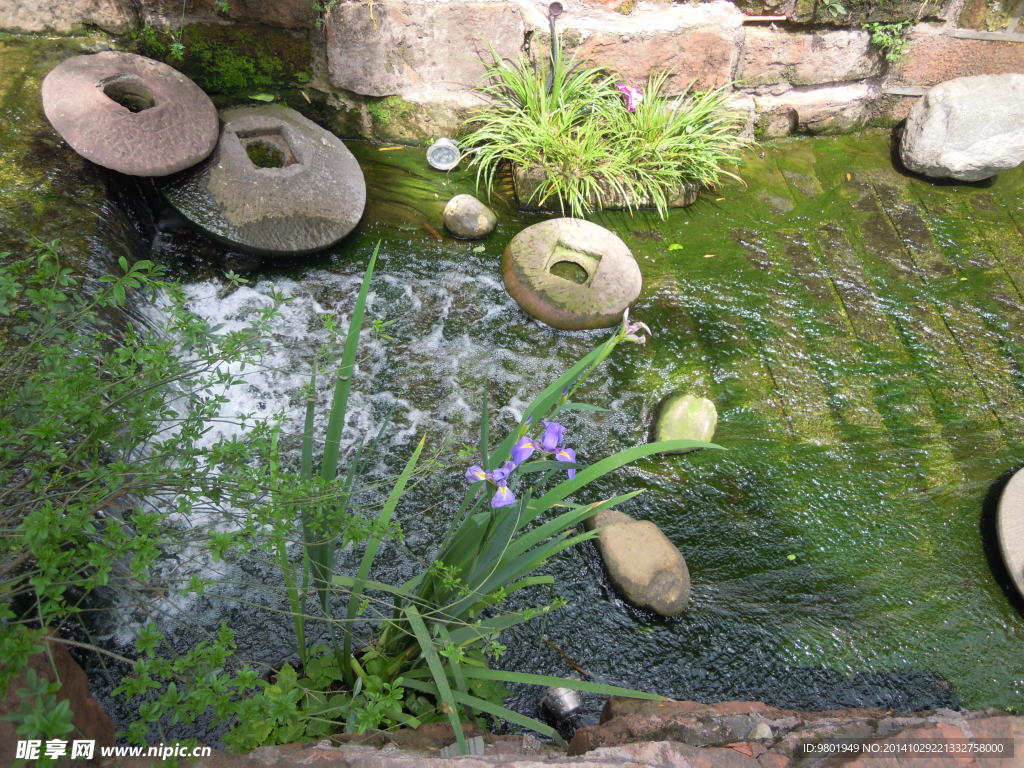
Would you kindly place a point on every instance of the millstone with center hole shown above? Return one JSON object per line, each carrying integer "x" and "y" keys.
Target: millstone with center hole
{"x": 571, "y": 274}
{"x": 129, "y": 113}
{"x": 276, "y": 183}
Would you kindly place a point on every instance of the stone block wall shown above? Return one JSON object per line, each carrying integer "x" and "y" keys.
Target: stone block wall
{"x": 407, "y": 70}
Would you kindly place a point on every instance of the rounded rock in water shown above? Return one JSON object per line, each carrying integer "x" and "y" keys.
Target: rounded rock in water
{"x": 642, "y": 563}
{"x": 571, "y": 274}
{"x": 276, "y": 183}
{"x": 467, "y": 217}
{"x": 682, "y": 416}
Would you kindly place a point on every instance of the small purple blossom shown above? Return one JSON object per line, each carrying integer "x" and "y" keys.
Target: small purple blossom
{"x": 503, "y": 497}
{"x": 501, "y": 473}
{"x": 552, "y": 436}
{"x": 634, "y": 330}
{"x": 633, "y": 96}
{"x": 476, "y": 473}
{"x": 567, "y": 454}
{"x": 522, "y": 450}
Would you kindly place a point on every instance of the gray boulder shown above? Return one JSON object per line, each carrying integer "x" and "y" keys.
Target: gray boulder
{"x": 642, "y": 563}
{"x": 968, "y": 129}
{"x": 467, "y": 217}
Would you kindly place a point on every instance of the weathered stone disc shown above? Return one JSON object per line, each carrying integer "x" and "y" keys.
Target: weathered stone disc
{"x": 1010, "y": 528}
{"x": 307, "y": 193}
{"x": 571, "y": 273}
{"x": 129, "y": 113}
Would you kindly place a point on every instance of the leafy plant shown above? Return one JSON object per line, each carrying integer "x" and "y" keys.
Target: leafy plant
{"x": 571, "y": 126}
{"x": 833, "y": 8}
{"x": 891, "y": 39}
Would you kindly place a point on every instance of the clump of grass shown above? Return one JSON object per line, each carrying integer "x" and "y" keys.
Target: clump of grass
{"x": 572, "y": 125}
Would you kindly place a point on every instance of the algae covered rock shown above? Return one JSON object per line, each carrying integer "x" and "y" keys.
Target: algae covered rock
{"x": 571, "y": 274}
{"x": 683, "y": 416}
{"x": 467, "y": 217}
{"x": 642, "y": 563}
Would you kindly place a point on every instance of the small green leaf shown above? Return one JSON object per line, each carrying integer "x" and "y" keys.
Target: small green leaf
{"x": 262, "y": 96}
{"x": 791, "y": 557}
{"x": 675, "y": 246}
{"x": 479, "y": 249}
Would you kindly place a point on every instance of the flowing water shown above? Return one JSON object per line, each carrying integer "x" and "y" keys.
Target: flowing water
{"x": 860, "y": 332}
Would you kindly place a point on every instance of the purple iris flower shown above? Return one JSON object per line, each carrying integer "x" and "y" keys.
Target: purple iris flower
{"x": 476, "y": 473}
{"x": 552, "y": 436}
{"x": 523, "y": 449}
{"x": 569, "y": 455}
{"x": 503, "y": 472}
{"x": 633, "y": 96}
{"x": 503, "y": 497}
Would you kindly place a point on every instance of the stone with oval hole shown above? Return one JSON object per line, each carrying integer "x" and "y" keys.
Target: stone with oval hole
{"x": 276, "y": 183}
{"x": 129, "y": 113}
{"x": 571, "y": 274}
{"x": 642, "y": 563}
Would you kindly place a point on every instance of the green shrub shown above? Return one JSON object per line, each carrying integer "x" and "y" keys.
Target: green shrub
{"x": 572, "y": 125}
{"x": 891, "y": 39}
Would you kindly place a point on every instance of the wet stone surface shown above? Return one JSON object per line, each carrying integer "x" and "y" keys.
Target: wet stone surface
{"x": 277, "y": 183}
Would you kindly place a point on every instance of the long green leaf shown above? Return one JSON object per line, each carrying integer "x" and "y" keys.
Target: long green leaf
{"x": 485, "y": 673}
{"x": 343, "y": 381}
{"x": 373, "y": 545}
{"x": 437, "y": 671}
{"x": 490, "y": 708}
{"x": 610, "y": 464}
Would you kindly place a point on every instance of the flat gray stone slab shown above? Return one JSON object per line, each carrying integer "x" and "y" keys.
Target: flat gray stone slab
{"x": 1010, "y": 529}
{"x": 276, "y": 183}
{"x": 129, "y": 113}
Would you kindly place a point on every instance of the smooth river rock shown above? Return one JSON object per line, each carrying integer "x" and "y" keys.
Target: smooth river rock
{"x": 467, "y": 217}
{"x": 682, "y": 416}
{"x": 1010, "y": 529}
{"x": 968, "y": 129}
{"x": 276, "y": 183}
{"x": 571, "y": 274}
{"x": 642, "y": 563}
{"x": 131, "y": 114}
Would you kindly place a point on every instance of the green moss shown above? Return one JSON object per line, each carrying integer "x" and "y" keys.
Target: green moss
{"x": 389, "y": 108}
{"x": 229, "y": 59}
{"x": 627, "y": 7}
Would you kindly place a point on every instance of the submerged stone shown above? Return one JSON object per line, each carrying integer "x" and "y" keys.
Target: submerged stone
{"x": 465, "y": 216}
{"x": 968, "y": 128}
{"x": 276, "y": 183}
{"x": 642, "y": 563}
{"x": 685, "y": 417}
{"x": 571, "y": 274}
{"x": 128, "y": 113}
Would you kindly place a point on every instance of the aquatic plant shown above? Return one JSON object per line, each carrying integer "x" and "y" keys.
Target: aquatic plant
{"x": 573, "y": 125}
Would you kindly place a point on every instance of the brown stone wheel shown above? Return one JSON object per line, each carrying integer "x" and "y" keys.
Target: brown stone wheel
{"x": 129, "y": 113}
{"x": 571, "y": 274}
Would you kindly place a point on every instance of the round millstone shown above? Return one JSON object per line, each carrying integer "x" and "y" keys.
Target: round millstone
{"x": 276, "y": 183}
{"x": 129, "y": 113}
{"x": 682, "y": 416}
{"x": 467, "y": 217}
{"x": 571, "y": 274}
{"x": 1010, "y": 529}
